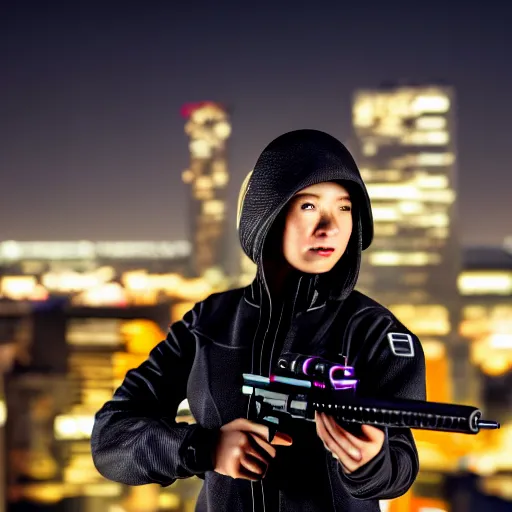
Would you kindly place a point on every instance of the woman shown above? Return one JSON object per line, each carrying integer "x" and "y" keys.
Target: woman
{"x": 305, "y": 219}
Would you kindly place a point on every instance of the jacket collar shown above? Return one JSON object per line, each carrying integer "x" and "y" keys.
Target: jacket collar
{"x": 306, "y": 291}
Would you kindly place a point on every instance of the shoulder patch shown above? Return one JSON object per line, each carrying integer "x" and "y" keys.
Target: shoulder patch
{"x": 401, "y": 344}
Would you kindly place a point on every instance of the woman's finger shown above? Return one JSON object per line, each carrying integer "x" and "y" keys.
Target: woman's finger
{"x": 341, "y": 440}
{"x": 253, "y": 464}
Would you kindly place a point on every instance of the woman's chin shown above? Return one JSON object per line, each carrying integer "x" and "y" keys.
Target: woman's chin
{"x": 314, "y": 267}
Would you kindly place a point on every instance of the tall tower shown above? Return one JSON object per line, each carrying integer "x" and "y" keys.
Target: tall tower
{"x": 208, "y": 128}
{"x": 406, "y": 141}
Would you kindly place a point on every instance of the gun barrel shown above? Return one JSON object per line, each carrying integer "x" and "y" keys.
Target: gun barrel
{"x": 404, "y": 414}
{"x": 487, "y": 424}
{"x": 301, "y": 402}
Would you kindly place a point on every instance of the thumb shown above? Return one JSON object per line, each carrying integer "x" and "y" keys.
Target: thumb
{"x": 281, "y": 439}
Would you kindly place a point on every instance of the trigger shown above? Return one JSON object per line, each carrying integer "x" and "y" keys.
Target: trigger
{"x": 272, "y": 425}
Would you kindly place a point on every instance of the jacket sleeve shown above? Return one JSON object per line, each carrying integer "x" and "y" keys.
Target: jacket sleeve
{"x": 395, "y": 369}
{"x": 135, "y": 438}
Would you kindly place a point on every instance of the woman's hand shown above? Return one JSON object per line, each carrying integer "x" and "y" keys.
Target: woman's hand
{"x": 243, "y": 450}
{"x": 352, "y": 452}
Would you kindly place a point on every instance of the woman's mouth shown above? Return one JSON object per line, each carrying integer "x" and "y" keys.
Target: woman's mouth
{"x": 323, "y": 251}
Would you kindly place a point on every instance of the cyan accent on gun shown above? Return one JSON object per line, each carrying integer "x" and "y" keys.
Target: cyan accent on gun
{"x": 305, "y": 384}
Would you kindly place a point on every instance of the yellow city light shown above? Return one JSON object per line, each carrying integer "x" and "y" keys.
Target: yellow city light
{"x": 410, "y": 207}
{"x": 391, "y": 258}
{"x": 73, "y": 426}
{"x": 384, "y": 214}
{"x": 18, "y": 287}
{"x": 424, "y": 319}
{"x": 213, "y": 207}
{"x": 141, "y": 336}
{"x": 105, "y": 295}
{"x": 432, "y": 181}
{"x": 3, "y": 413}
{"x": 435, "y": 159}
{"x": 485, "y": 282}
{"x": 430, "y": 103}
{"x": 431, "y": 123}
{"x": 423, "y": 138}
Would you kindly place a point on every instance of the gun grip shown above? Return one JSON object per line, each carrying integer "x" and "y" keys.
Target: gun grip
{"x": 267, "y": 417}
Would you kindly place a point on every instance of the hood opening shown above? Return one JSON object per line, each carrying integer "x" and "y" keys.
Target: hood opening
{"x": 288, "y": 164}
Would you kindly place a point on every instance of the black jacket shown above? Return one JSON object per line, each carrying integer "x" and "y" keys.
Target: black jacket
{"x": 136, "y": 439}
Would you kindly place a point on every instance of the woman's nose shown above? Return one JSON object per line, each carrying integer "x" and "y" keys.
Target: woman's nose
{"x": 327, "y": 226}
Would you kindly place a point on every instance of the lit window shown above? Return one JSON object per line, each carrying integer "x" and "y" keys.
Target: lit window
{"x": 203, "y": 194}
{"x": 432, "y": 320}
{"x": 222, "y": 129}
{"x": 220, "y": 177}
{"x": 384, "y": 214}
{"x": 19, "y": 287}
{"x": 426, "y": 138}
{"x": 73, "y": 426}
{"x": 431, "y": 123}
{"x": 363, "y": 113}
{"x": 435, "y": 159}
{"x": 203, "y": 183}
{"x": 213, "y": 207}
{"x": 390, "y": 258}
{"x": 383, "y": 229}
{"x": 432, "y": 181}
{"x": 392, "y": 191}
{"x": 485, "y": 282}
{"x": 10, "y": 250}
{"x": 431, "y": 103}
{"x": 446, "y": 196}
{"x": 410, "y": 207}
{"x": 369, "y": 149}
{"x": 429, "y": 220}
{"x": 200, "y": 148}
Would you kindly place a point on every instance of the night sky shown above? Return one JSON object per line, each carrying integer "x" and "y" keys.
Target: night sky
{"x": 92, "y": 142}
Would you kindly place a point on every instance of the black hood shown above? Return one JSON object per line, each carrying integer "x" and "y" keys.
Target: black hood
{"x": 288, "y": 164}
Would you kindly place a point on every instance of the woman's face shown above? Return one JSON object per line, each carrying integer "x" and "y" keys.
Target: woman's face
{"x": 317, "y": 228}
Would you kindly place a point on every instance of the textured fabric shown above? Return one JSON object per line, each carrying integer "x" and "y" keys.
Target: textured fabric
{"x": 135, "y": 438}
{"x": 288, "y": 164}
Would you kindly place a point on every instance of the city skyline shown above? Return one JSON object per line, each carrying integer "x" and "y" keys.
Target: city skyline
{"x": 95, "y": 144}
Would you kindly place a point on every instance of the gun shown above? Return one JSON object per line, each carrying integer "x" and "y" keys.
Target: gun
{"x": 304, "y": 384}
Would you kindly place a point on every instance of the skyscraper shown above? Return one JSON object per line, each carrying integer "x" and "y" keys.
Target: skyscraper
{"x": 407, "y": 155}
{"x": 208, "y": 128}
{"x": 406, "y": 149}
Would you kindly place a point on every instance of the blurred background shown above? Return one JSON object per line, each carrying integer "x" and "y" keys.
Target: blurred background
{"x": 127, "y": 130}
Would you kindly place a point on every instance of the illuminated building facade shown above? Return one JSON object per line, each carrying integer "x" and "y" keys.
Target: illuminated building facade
{"x": 103, "y": 344}
{"x": 485, "y": 286}
{"x": 405, "y": 147}
{"x": 406, "y": 150}
{"x": 407, "y": 155}
{"x": 69, "y": 361}
{"x": 208, "y": 128}
{"x": 38, "y": 257}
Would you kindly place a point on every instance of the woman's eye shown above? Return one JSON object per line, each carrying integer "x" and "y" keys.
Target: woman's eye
{"x": 345, "y": 208}
{"x": 307, "y": 206}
